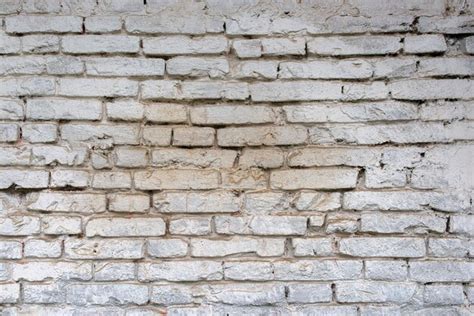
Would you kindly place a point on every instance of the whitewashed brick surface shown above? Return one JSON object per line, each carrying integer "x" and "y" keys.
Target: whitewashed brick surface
{"x": 236, "y": 157}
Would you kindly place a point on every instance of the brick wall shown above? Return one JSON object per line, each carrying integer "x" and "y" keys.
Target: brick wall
{"x": 236, "y": 157}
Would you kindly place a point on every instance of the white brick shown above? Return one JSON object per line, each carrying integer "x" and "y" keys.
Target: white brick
{"x": 185, "y": 45}
{"x": 468, "y": 45}
{"x": 120, "y": 134}
{"x": 33, "y": 179}
{"x": 240, "y": 245}
{"x": 43, "y": 293}
{"x": 376, "y": 292}
{"x": 157, "y": 135}
{"x": 128, "y": 203}
{"x": 447, "y": 25}
{"x": 125, "y": 227}
{"x": 317, "y": 270}
{"x": 194, "y": 202}
{"x": 316, "y": 90}
{"x": 450, "y": 247}
{"x": 402, "y": 223}
{"x": 342, "y": 156}
{"x": 61, "y": 225}
{"x": 180, "y": 271}
{"x": 317, "y": 201}
{"x": 77, "y": 87}
{"x": 125, "y": 110}
{"x": 52, "y": 154}
{"x": 462, "y": 224}
{"x": 394, "y": 68}
{"x": 261, "y": 158}
{"x": 114, "y": 271}
{"x": 257, "y": 136}
{"x": 357, "y": 69}
{"x": 190, "y": 226}
{"x": 166, "y": 113}
{"x": 430, "y": 89}
{"x": 383, "y": 247}
{"x": 167, "y": 248}
{"x": 442, "y": 271}
{"x": 202, "y": 158}
{"x": 386, "y": 270}
{"x": 12, "y": 87}
{"x": 183, "y": 90}
{"x": 10, "y": 249}
{"x": 93, "y": 44}
{"x": 46, "y": 6}
{"x": 11, "y": 109}
{"x": 446, "y": 67}
{"x": 264, "y": 69}
{"x": 167, "y": 23}
{"x": 309, "y": 293}
{"x": 69, "y": 178}
{"x": 9, "y": 133}
{"x": 43, "y": 270}
{"x": 312, "y": 247}
{"x": 176, "y": 179}
{"x": 247, "y": 48}
{"x": 103, "y": 24}
{"x": 443, "y": 294}
{"x": 9, "y": 293}
{"x": 261, "y": 225}
{"x": 40, "y": 248}
{"x": 63, "y": 109}
{"x": 104, "y": 294}
{"x": 125, "y": 67}
{"x": 47, "y": 24}
{"x": 131, "y": 157}
{"x": 248, "y": 271}
{"x": 197, "y": 67}
{"x": 354, "y": 45}
{"x": 249, "y": 179}
{"x": 9, "y": 44}
{"x": 424, "y": 44}
{"x": 40, "y": 133}
{"x": 66, "y": 202}
{"x": 283, "y": 46}
{"x": 104, "y": 249}
{"x": 193, "y": 136}
{"x": 112, "y": 180}
{"x": 231, "y": 114}
{"x": 314, "y": 179}
{"x": 15, "y": 156}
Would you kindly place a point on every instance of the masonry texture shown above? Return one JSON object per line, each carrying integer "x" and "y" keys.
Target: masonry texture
{"x": 245, "y": 157}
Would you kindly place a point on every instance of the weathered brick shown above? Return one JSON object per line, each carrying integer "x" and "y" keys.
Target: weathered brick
{"x": 193, "y": 136}
{"x": 104, "y": 294}
{"x": 166, "y": 113}
{"x": 240, "y": 245}
{"x": 446, "y": 67}
{"x": 373, "y": 291}
{"x": 40, "y": 43}
{"x": 190, "y": 226}
{"x": 316, "y": 90}
{"x": 317, "y": 201}
{"x": 446, "y": 25}
{"x": 248, "y": 179}
{"x": 450, "y": 247}
{"x": 40, "y": 271}
{"x": 11, "y": 109}
{"x": 261, "y": 225}
{"x": 9, "y": 133}
{"x": 61, "y": 225}
{"x": 183, "y": 90}
{"x": 69, "y": 178}
{"x": 62, "y": 155}
{"x": 120, "y": 134}
{"x": 39, "y": 133}
{"x": 283, "y": 46}
{"x": 443, "y": 294}
{"x": 442, "y": 271}
{"x": 44, "y": 294}
{"x": 163, "y": 24}
{"x": 118, "y": 227}
{"x": 157, "y": 135}
{"x": 247, "y": 48}
{"x": 77, "y": 87}
{"x": 38, "y": 86}
{"x": 312, "y": 247}
{"x": 176, "y": 179}
{"x": 114, "y": 271}
{"x": 102, "y": 24}
{"x": 383, "y": 247}
{"x": 40, "y": 248}
{"x": 247, "y": 294}
{"x": 257, "y": 136}
{"x": 93, "y": 44}
{"x": 317, "y": 270}
{"x": 248, "y": 271}
{"x": 265, "y": 69}
{"x": 353, "y": 69}
{"x": 302, "y": 293}
{"x": 104, "y": 249}
{"x": 185, "y": 45}
{"x": 180, "y": 271}
{"x": 462, "y": 224}
{"x": 125, "y": 67}
{"x": 47, "y": 24}
{"x": 430, "y": 89}
{"x": 66, "y": 202}
{"x": 226, "y": 115}
{"x": 386, "y": 270}
{"x": 112, "y": 180}
{"x": 33, "y": 179}
{"x": 424, "y": 44}
{"x": 128, "y": 203}
{"x": 360, "y": 112}
{"x": 261, "y": 158}
{"x": 197, "y": 67}
{"x": 9, "y": 293}
{"x": 294, "y": 179}
{"x": 195, "y": 202}
{"x": 10, "y": 249}
{"x": 131, "y": 157}
{"x": 203, "y": 158}
{"x": 354, "y": 45}
{"x": 402, "y": 223}
{"x": 167, "y": 248}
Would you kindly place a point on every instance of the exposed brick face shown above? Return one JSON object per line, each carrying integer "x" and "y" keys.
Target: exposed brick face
{"x": 236, "y": 157}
